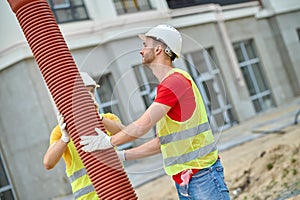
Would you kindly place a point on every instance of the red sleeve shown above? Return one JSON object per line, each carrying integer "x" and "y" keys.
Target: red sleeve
{"x": 170, "y": 90}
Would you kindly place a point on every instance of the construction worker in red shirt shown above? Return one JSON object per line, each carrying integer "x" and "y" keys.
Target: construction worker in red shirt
{"x": 184, "y": 136}
{"x": 61, "y": 146}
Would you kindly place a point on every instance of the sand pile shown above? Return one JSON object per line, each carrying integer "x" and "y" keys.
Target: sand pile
{"x": 274, "y": 174}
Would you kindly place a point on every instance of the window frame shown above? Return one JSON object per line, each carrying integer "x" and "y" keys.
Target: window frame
{"x": 68, "y": 6}
{"x": 108, "y": 78}
{"x": 144, "y": 81}
{"x": 138, "y": 6}
{"x": 5, "y": 170}
{"x": 174, "y": 4}
{"x": 211, "y": 73}
{"x": 248, "y": 64}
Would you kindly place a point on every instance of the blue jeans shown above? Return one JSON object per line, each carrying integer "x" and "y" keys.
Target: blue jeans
{"x": 207, "y": 184}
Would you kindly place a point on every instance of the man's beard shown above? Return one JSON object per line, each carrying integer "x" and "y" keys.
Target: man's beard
{"x": 148, "y": 58}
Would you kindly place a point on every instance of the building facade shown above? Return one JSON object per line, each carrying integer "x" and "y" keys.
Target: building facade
{"x": 243, "y": 55}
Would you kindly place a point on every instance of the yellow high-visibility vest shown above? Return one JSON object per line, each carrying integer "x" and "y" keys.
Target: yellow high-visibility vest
{"x": 81, "y": 184}
{"x": 189, "y": 144}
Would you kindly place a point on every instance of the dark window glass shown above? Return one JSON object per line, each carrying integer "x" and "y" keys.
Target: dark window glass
{"x": 3, "y": 177}
{"x": 107, "y": 100}
{"x": 68, "y": 10}
{"x": 6, "y": 191}
{"x": 6, "y": 195}
{"x": 186, "y": 3}
{"x": 147, "y": 83}
{"x": 248, "y": 80}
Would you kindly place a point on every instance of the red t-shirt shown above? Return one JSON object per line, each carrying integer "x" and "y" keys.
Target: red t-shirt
{"x": 176, "y": 91}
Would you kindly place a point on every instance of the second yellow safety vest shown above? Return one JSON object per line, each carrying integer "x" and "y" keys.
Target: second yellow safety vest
{"x": 81, "y": 184}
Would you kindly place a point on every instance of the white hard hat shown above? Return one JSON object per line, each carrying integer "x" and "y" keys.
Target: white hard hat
{"x": 87, "y": 80}
{"x": 166, "y": 34}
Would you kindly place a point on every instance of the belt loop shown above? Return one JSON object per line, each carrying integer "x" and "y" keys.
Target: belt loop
{"x": 211, "y": 168}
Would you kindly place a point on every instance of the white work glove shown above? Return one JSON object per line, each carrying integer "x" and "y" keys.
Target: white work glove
{"x": 95, "y": 142}
{"x": 62, "y": 125}
{"x": 121, "y": 155}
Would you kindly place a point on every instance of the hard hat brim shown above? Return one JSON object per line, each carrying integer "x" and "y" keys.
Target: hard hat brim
{"x": 142, "y": 37}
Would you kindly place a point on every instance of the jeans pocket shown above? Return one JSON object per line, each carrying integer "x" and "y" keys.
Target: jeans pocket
{"x": 220, "y": 179}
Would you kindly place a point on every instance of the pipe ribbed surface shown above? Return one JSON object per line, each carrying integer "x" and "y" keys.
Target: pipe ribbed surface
{"x": 70, "y": 96}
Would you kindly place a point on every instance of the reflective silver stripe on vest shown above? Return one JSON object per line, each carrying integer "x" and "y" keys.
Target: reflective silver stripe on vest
{"x": 191, "y": 155}
{"x": 83, "y": 191}
{"x": 77, "y": 175}
{"x": 185, "y": 133}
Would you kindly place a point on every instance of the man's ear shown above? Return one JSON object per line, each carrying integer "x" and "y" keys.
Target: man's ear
{"x": 158, "y": 49}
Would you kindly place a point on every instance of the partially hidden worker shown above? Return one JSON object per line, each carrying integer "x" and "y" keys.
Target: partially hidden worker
{"x": 61, "y": 146}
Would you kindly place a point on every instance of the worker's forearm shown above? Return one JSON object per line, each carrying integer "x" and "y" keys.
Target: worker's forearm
{"x": 129, "y": 133}
{"x": 147, "y": 149}
{"x": 142, "y": 125}
{"x": 112, "y": 126}
{"x": 54, "y": 154}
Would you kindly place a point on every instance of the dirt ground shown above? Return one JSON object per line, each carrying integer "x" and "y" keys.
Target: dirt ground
{"x": 267, "y": 168}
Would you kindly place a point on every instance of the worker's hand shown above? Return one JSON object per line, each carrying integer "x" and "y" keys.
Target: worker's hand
{"x": 62, "y": 125}
{"x": 121, "y": 155}
{"x": 98, "y": 142}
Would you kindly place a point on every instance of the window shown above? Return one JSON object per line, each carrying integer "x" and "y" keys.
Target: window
{"x": 204, "y": 70}
{"x": 253, "y": 75}
{"x": 173, "y": 4}
{"x": 108, "y": 102}
{"x": 147, "y": 83}
{"x": 106, "y": 97}
{"x": 131, "y": 6}
{"x": 6, "y": 189}
{"x": 68, "y": 10}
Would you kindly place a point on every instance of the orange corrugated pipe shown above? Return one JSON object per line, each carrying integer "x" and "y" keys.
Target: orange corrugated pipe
{"x": 70, "y": 96}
